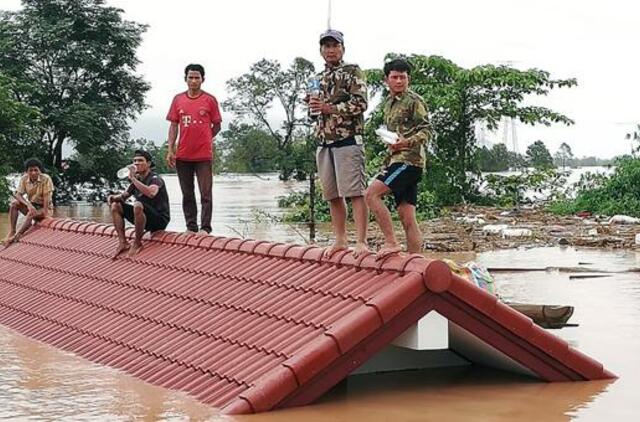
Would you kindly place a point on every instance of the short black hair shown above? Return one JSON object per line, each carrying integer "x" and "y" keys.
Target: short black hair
{"x": 399, "y": 65}
{"x": 195, "y": 68}
{"x": 33, "y": 162}
{"x": 145, "y": 155}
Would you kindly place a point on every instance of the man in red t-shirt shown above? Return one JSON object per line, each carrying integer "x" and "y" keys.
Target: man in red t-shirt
{"x": 196, "y": 116}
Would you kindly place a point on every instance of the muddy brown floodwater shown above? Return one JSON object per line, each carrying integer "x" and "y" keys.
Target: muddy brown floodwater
{"x": 38, "y": 382}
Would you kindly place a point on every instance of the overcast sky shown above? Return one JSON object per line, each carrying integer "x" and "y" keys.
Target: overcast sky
{"x": 595, "y": 42}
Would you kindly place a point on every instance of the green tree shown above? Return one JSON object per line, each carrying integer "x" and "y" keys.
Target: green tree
{"x": 563, "y": 156}
{"x": 248, "y": 149}
{"x": 457, "y": 99}
{"x": 79, "y": 57}
{"x": 538, "y": 156}
{"x": 517, "y": 160}
{"x": 618, "y": 193}
{"x": 5, "y": 191}
{"x": 254, "y": 95}
{"x": 634, "y": 137}
{"x": 17, "y": 122}
{"x": 495, "y": 159}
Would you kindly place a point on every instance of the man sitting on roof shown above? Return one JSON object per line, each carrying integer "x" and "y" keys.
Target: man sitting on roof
{"x": 38, "y": 187}
{"x": 150, "y": 211}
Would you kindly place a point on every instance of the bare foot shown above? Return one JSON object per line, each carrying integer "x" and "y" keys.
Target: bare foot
{"x": 387, "y": 250}
{"x": 122, "y": 246}
{"x": 8, "y": 240}
{"x": 360, "y": 249}
{"x": 135, "y": 249}
{"x": 336, "y": 247}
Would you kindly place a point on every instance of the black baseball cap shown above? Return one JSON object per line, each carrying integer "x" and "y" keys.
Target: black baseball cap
{"x": 146, "y": 155}
{"x": 334, "y": 34}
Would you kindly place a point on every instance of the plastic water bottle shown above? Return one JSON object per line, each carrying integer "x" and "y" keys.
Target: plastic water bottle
{"x": 313, "y": 89}
{"x": 123, "y": 173}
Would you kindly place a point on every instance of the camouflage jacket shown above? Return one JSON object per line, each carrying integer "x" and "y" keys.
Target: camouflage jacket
{"x": 406, "y": 114}
{"x": 345, "y": 87}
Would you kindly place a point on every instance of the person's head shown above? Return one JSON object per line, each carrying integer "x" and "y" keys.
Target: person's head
{"x": 332, "y": 46}
{"x": 33, "y": 167}
{"x": 397, "y": 75}
{"x": 143, "y": 161}
{"x": 194, "y": 76}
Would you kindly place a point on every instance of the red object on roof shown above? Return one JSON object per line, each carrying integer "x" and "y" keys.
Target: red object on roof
{"x": 244, "y": 325}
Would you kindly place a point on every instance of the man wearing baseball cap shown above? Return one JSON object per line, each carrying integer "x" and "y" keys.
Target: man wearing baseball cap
{"x": 339, "y": 125}
{"x": 150, "y": 211}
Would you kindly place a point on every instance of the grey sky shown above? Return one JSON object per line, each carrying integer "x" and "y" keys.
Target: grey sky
{"x": 595, "y": 42}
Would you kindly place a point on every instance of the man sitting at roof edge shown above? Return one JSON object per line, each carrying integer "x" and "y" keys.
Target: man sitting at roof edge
{"x": 38, "y": 204}
{"x": 150, "y": 211}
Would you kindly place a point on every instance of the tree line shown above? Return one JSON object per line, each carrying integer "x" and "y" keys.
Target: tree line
{"x": 68, "y": 81}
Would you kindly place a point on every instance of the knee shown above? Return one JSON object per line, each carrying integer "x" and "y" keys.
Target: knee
{"x": 14, "y": 205}
{"x": 370, "y": 196}
{"x": 138, "y": 209}
{"x": 116, "y": 207}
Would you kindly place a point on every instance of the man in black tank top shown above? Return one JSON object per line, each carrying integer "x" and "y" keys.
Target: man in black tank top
{"x": 150, "y": 211}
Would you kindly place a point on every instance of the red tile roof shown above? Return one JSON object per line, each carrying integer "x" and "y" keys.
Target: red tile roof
{"x": 246, "y": 325}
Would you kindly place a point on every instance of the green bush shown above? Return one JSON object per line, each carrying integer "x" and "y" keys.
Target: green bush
{"x": 5, "y": 192}
{"x": 562, "y": 207}
{"x": 511, "y": 190}
{"x": 298, "y": 206}
{"x": 616, "y": 194}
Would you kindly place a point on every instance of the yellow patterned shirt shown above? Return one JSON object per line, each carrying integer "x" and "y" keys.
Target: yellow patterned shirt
{"x": 38, "y": 190}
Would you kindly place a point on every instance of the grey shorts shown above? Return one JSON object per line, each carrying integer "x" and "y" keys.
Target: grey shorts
{"x": 341, "y": 171}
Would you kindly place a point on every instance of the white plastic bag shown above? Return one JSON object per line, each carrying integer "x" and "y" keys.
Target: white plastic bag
{"x": 386, "y": 135}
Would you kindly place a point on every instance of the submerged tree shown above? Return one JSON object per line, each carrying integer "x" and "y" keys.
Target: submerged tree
{"x": 458, "y": 98}
{"x": 79, "y": 59}
{"x": 247, "y": 149}
{"x": 539, "y": 156}
{"x": 564, "y": 155}
{"x": 495, "y": 159}
{"x": 253, "y": 97}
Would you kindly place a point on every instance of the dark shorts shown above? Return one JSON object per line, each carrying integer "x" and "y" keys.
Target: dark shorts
{"x": 403, "y": 181}
{"x": 155, "y": 221}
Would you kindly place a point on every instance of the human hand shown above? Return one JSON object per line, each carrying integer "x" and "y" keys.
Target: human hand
{"x": 31, "y": 211}
{"x": 402, "y": 144}
{"x": 132, "y": 172}
{"x": 318, "y": 106}
{"x": 171, "y": 159}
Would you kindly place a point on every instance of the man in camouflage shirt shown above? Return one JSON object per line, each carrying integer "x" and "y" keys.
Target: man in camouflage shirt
{"x": 338, "y": 112}
{"x": 405, "y": 113}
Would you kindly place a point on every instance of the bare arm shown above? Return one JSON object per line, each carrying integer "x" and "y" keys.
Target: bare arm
{"x": 171, "y": 139}
{"x": 21, "y": 199}
{"x": 149, "y": 191}
{"x": 44, "y": 212}
{"x": 215, "y": 128}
